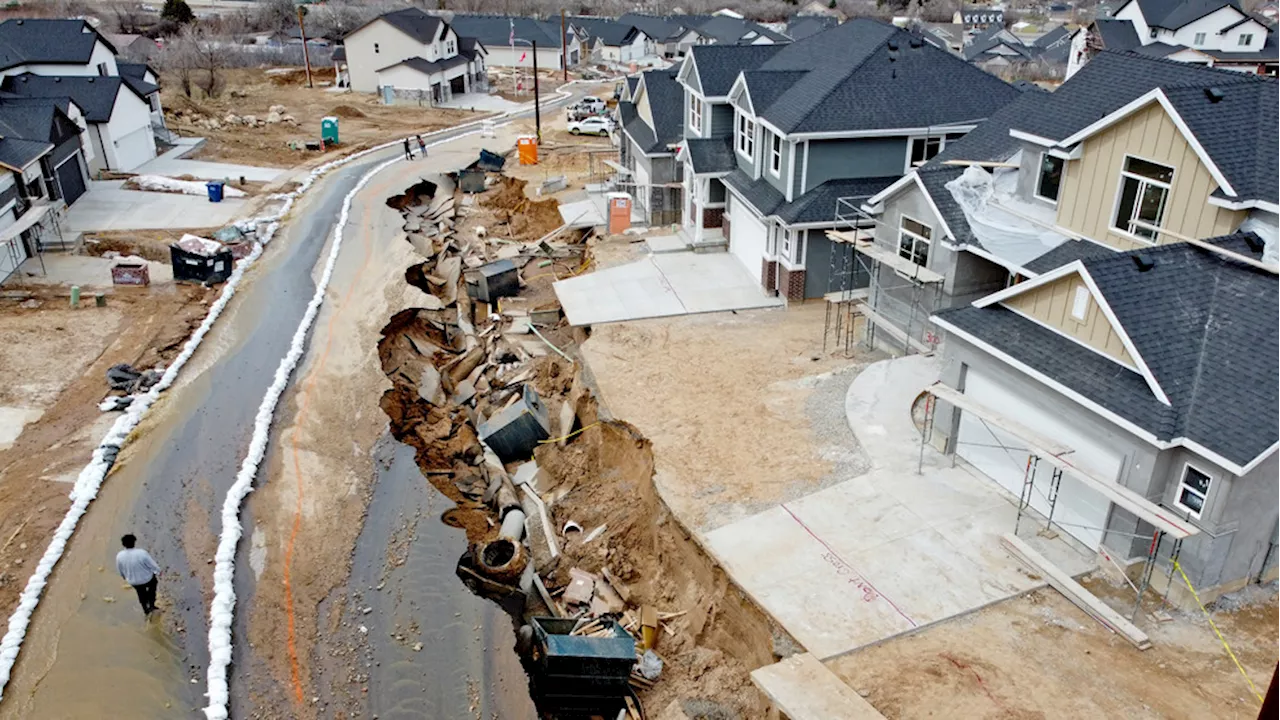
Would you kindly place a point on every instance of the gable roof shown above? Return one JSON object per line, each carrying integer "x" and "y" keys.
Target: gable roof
{"x": 1116, "y": 34}
{"x": 728, "y": 30}
{"x": 1184, "y": 13}
{"x": 495, "y": 30}
{"x": 658, "y": 28}
{"x": 95, "y": 95}
{"x": 816, "y": 206}
{"x": 718, "y": 65}
{"x": 1053, "y": 37}
{"x": 710, "y": 155}
{"x": 411, "y": 21}
{"x": 428, "y": 67}
{"x": 866, "y": 74}
{"x": 616, "y": 34}
{"x": 800, "y": 27}
{"x": 30, "y": 40}
{"x": 666, "y": 105}
{"x": 1211, "y": 342}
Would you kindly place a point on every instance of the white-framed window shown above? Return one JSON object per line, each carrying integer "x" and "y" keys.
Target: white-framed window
{"x": 786, "y": 243}
{"x": 1080, "y": 303}
{"x": 746, "y": 136}
{"x": 1193, "y": 490}
{"x": 924, "y": 148}
{"x": 1144, "y": 193}
{"x": 450, "y": 47}
{"x": 913, "y": 240}
{"x": 695, "y": 114}
{"x": 103, "y": 69}
{"x": 775, "y": 154}
{"x": 1153, "y": 32}
{"x": 1245, "y": 40}
{"x": 1198, "y": 40}
{"x": 1049, "y": 183}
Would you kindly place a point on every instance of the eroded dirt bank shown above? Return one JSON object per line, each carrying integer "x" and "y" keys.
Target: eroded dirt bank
{"x": 453, "y": 362}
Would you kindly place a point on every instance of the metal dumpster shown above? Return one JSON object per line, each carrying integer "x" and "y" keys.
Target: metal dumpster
{"x": 578, "y": 674}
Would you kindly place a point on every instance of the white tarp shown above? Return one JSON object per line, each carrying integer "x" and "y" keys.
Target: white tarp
{"x": 1012, "y": 230}
{"x": 1263, "y": 224}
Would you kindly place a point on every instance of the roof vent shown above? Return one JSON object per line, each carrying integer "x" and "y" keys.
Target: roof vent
{"x": 1214, "y": 94}
{"x": 893, "y": 45}
{"x": 1143, "y": 262}
{"x": 1254, "y": 242}
{"x": 917, "y": 42}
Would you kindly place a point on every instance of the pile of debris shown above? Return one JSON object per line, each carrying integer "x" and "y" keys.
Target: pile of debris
{"x": 517, "y": 216}
{"x": 275, "y": 114}
{"x": 504, "y": 426}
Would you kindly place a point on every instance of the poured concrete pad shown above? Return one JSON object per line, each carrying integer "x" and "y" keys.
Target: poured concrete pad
{"x": 805, "y": 689}
{"x": 108, "y": 206}
{"x": 662, "y": 285}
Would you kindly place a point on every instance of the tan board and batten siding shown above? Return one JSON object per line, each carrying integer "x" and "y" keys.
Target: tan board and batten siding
{"x": 1089, "y": 196}
{"x": 643, "y": 108}
{"x": 1051, "y": 305}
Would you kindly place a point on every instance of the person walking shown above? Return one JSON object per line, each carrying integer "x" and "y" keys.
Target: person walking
{"x": 408, "y": 151}
{"x": 140, "y": 570}
{"x": 422, "y": 145}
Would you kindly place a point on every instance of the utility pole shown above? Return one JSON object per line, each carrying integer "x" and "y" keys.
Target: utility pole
{"x": 537, "y": 101}
{"x": 564, "y": 47}
{"x": 306, "y": 55}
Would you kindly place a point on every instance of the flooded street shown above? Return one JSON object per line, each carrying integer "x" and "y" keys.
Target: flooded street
{"x": 436, "y": 650}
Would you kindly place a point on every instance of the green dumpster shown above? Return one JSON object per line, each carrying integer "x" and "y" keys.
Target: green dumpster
{"x": 329, "y": 130}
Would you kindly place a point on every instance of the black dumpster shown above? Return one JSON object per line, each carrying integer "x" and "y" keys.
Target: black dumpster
{"x": 490, "y": 161}
{"x": 196, "y": 259}
{"x": 579, "y": 674}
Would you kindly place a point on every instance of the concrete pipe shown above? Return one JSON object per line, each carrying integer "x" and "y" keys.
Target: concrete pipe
{"x": 512, "y": 525}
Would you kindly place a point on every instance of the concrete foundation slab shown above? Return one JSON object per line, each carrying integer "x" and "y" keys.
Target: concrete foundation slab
{"x": 108, "y": 206}
{"x": 661, "y": 285}
{"x": 666, "y": 244}
{"x": 173, "y": 164}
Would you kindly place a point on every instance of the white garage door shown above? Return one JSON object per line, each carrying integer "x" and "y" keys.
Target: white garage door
{"x": 747, "y": 235}
{"x": 1003, "y": 458}
{"x": 135, "y": 148}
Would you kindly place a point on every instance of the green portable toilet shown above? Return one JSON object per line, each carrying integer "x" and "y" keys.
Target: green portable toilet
{"x": 329, "y": 130}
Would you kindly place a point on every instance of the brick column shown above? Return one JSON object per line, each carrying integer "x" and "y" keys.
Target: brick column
{"x": 769, "y": 275}
{"x": 712, "y": 217}
{"x": 791, "y": 284}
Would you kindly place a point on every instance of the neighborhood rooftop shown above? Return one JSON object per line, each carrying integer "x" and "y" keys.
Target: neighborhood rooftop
{"x": 46, "y": 41}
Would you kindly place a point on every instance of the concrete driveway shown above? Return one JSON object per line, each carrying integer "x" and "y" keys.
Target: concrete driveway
{"x": 108, "y": 206}
{"x": 890, "y": 551}
{"x": 173, "y": 164}
{"x": 661, "y": 285}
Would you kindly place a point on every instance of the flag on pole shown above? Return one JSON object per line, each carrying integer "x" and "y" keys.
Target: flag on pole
{"x": 512, "y": 39}
{"x": 523, "y": 55}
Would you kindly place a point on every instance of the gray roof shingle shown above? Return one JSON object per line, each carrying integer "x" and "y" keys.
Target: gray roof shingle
{"x": 818, "y": 205}
{"x": 1067, "y": 252}
{"x": 1205, "y": 326}
{"x": 666, "y": 105}
{"x": 718, "y": 65}
{"x": 47, "y": 41}
{"x": 800, "y": 27}
{"x": 428, "y": 67}
{"x": 95, "y": 95}
{"x": 1116, "y": 34}
{"x": 16, "y": 153}
{"x": 414, "y": 22}
{"x": 865, "y": 74}
{"x": 660, "y": 29}
{"x": 495, "y": 30}
{"x": 711, "y": 155}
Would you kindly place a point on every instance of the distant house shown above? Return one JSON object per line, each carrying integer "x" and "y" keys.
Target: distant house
{"x": 948, "y": 36}
{"x": 612, "y": 41}
{"x": 496, "y": 33}
{"x": 409, "y": 56}
{"x": 1208, "y": 32}
{"x": 819, "y": 8}
{"x": 801, "y": 26}
{"x": 652, "y": 131}
{"x": 977, "y": 17}
{"x": 997, "y": 48}
{"x": 671, "y": 37}
{"x": 136, "y": 48}
{"x": 674, "y": 35}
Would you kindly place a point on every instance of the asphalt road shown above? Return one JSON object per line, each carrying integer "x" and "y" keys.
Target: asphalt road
{"x": 89, "y": 648}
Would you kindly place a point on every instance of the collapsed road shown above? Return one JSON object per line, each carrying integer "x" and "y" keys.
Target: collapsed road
{"x": 88, "y": 647}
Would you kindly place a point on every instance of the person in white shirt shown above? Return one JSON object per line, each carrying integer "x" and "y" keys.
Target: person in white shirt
{"x": 140, "y": 570}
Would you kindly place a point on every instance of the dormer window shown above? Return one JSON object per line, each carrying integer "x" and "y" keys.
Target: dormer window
{"x": 1144, "y": 192}
{"x": 746, "y": 136}
{"x": 1245, "y": 40}
{"x": 450, "y": 48}
{"x": 1198, "y": 40}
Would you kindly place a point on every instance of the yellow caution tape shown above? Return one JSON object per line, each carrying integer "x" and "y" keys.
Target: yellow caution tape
{"x": 1252, "y": 688}
{"x": 566, "y": 437}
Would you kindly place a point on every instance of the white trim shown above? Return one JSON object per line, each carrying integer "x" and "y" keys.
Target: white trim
{"x": 739, "y": 91}
{"x": 1141, "y": 433}
{"x": 1244, "y": 204}
{"x": 1034, "y": 139}
{"x": 1062, "y": 175}
{"x": 1074, "y": 153}
{"x": 1060, "y": 333}
{"x": 897, "y": 186}
{"x": 892, "y": 189}
{"x": 915, "y": 238}
{"x": 942, "y": 145}
{"x": 1177, "y": 491}
{"x": 695, "y": 129}
{"x": 1156, "y": 95}
{"x": 791, "y": 172}
{"x": 739, "y": 117}
{"x": 1137, "y": 200}
{"x": 1011, "y": 267}
{"x": 881, "y": 132}
{"x": 775, "y": 139}
{"x": 804, "y": 178}
{"x": 1078, "y": 268}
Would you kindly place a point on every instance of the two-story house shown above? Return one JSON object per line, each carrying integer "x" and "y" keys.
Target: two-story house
{"x": 1107, "y": 254}
{"x": 777, "y": 135}
{"x": 509, "y": 40}
{"x": 410, "y": 55}
{"x": 55, "y": 59}
{"x": 651, "y": 133}
{"x": 1214, "y": 32}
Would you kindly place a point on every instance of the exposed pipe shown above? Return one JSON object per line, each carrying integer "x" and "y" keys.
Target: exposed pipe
{"x": 512, "y": 526}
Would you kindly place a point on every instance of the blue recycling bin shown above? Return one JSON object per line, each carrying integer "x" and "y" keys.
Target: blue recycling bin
{"x": 215, "y": 190}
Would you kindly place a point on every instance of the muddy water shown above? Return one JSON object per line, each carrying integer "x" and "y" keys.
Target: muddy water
{"x": 403, "y": 590}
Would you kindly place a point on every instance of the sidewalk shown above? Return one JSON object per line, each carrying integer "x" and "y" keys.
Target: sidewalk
{"x": 890, "y": 551}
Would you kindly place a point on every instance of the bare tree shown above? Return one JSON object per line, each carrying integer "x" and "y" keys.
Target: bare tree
{"x": 198, "y": 61}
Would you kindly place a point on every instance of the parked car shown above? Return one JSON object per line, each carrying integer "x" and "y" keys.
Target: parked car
{"x": 595, "y": 125}
{"x": 593, "y": 104}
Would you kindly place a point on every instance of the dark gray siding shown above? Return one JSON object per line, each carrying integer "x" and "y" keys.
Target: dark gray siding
{"x": 779, "y": 182}
{"x": 721, "y": 120}
{"x": 11, "y": 193}
{"x": 854, "y": 158}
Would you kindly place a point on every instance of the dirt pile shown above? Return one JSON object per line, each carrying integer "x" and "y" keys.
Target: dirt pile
{"x": 346, "y": 111}
{"x": 459, "y": 361}
{"x": 518, "y": 217}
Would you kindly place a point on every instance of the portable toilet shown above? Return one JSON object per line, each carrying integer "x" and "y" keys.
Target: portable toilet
{"x": 329, "y": 130}
{"x": 619, "y": 212}
{"x": 528, "y": 149}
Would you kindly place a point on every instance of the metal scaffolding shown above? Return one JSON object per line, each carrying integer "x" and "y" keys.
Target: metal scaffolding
{"x": 1042, "y": 451}
{"x": 894, "y": 295}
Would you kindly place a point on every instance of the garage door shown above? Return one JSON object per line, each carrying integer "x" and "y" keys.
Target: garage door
{"x": 747, "y": 237}
{"x": 1003, "y": 458}
{"x": 135, "y": 148}
{"x": 70, "y": 179}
